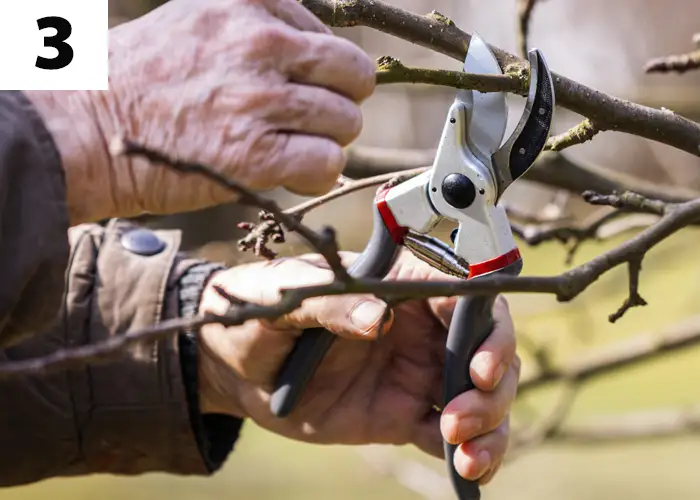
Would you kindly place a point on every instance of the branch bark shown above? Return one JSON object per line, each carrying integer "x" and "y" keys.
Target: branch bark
{"x": 606, "y": 111}
{"x": 565, "y": 286}
{"x": 391, "y": 70}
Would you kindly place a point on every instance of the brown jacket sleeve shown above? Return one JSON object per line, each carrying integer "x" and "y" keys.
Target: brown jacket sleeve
{"x": 33, "y": 221}
{"x": 128, "y": 416}
{"x": 133, "y": 415}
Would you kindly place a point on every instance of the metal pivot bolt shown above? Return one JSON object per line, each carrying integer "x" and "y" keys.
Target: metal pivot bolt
{"x": 458, "y": 190}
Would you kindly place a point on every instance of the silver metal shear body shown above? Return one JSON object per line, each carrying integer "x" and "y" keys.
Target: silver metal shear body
{"x": 472, "y": 169}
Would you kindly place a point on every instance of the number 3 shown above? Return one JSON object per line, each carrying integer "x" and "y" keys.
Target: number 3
{"x": 57, "y": 41}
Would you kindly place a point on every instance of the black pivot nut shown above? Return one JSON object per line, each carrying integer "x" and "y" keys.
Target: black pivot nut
{"x": 458, "y": 190}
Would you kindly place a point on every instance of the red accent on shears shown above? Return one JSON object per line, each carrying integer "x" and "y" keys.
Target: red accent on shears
{"x": 492, "y": 265}
{"x": 397, "y": 232}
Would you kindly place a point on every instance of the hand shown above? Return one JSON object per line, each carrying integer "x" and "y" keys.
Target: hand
{"x": 259, "y": 89}
{"x": 363, "y": 392}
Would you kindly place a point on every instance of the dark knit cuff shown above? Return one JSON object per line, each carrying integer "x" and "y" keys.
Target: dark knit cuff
{"x": 216, "y": 434}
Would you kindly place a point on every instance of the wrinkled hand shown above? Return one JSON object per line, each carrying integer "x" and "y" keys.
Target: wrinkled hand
{"x": 363, "y": 392}
{"x": 259, "y": 89}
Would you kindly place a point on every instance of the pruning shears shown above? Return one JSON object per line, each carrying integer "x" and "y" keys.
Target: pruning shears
{"x": 471, "y": 171}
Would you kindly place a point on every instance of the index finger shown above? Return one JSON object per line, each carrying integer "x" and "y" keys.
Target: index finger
{"x": 294, "y": 14}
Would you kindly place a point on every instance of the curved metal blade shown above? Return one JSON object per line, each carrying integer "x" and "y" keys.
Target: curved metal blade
{"x": 487, "y": 112}
{"x": 527, "y": 141}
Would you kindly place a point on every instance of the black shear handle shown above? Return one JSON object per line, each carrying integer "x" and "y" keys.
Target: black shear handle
{"x": 375, "y": 261}
{"x": 472, "y": 322}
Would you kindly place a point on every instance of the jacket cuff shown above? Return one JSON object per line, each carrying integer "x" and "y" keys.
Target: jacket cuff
{"x": 215, "y": 434}
{"x": 132, "y": 414}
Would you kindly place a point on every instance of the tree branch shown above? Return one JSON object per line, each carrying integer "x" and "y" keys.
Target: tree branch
{"x": 391, "y": 70}
{"x": 551, "y": 169}
{"x": 565, "y": 286}
{"x": 525, "y": 8}
{"x": 607, "y": 112}
{"x": 678, "y": 63}
{"x": 597, "y": 363}
{"x": 623, "y": 354}
{"x": 267, "y": 230}
{"x": 634, "y": 426}
{"x": 570, "y": 236}
{"x": 323, "y": 242}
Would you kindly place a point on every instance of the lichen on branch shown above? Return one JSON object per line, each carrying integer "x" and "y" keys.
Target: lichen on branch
{"x": 391, "y": 70}
{"x": 578, "y": 134}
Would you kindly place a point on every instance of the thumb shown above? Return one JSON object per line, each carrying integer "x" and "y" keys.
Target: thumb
{"x": 352, "y": 316}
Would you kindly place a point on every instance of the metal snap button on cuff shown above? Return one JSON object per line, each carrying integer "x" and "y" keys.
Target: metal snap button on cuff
{"x": 142, "y": 242}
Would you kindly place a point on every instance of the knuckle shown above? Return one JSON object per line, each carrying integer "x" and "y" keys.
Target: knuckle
{"x": 335, "y": 163}
{"x": 493, "y": 413}
{"x": 367, "y": 76}
{"x": 351, "y": 116}
{"x": 363, "y": 68}
{"x": 266, "y": 39}
{"x": 502, "y": 432}
{"x": 265, "y": 152}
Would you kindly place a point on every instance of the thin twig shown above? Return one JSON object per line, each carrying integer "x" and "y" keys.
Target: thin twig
{"x": 544, "y": 428}
{"x": 351, "y": 187}
{"x": 628, "y": 427}
{"x": 634, "y": 267}
{"x": 324, "y": 242}
{"x": 410, "y": 474}
{"x": 565, "y": 287}
{"x": 525, "y": 8}
{"x": 629, "y": 201}
{"x": 570, "y": 236}
{"x": 675, "y": 63}
{"x": 578, "y": 134}
{"x": 268, "y": 229}
{"x": 627, "y": 353}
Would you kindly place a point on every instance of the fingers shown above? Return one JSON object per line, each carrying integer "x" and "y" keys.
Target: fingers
{"x": 293, "y": 13}
{"x": 314, "y": 111}
{"x": 304, "y": 164}
{"x": 353, "y": 316}
{"x": 475, "y": 412}
{"x": 479, "y": 459}
{"x": 497, "y": 352}
{"x": 336, "y": 64}
{"x": 321, "y": 59}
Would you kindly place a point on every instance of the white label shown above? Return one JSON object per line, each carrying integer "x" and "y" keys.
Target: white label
{"x": 54, "y": 45}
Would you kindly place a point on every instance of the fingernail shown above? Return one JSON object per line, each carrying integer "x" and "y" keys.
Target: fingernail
{"x": 483, "y": 462}
{"x": 366, "y": 315}
{"x": 480, "y": 364}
